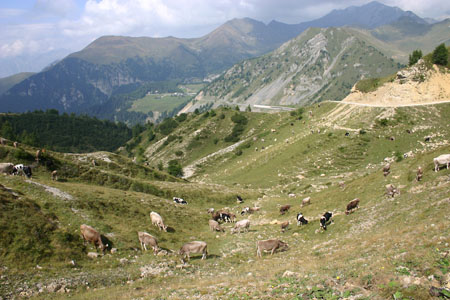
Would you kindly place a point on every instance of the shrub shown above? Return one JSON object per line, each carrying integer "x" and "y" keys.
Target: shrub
{"x": 414, "y": 57}
{"x": 174, "y": 168}
{"x": 179, "y": 153}
{"x": 440, "y": 55}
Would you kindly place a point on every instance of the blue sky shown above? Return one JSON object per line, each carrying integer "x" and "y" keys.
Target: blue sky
{"x": 35, "y": 27}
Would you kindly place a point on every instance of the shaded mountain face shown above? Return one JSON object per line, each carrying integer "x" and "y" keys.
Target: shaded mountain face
{"x": 90, "y": 77}
{"x": 320, "y": 64}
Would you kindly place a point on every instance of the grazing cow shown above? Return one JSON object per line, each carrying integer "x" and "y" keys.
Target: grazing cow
{"x": 55, "y": 175}
{"x": 352, "y": 205}
{"x": 242, "y": 224}
{"x": 91, "y": 235}
{"x": 386, "y": 170}
{"x": 301, "y": 219}
{"x": 419, "y": 174}
{"x": 427, "y": 138}
{"x": 284, "y": 209}
{"x": 270, "y": 246}
{"x": 15, "y": 144}
{"x": 391, "y": 190}
{"x": 291, "y": 195}
{"x": 325, "y": 219}
{"x": 179, "y": 200}
{"x": 232, "y": 217}
{"x": 210, "y": 210}
{"x": 214, "y": 226}
{"x": 157, "y": 220}
{"x": 284, "y": 226}
{"x": 38, "y": 154}
{"x": 443, "y": 159}
{"x": 193, "y": 247}
{"x": 2, "y": 141}
{"x": 22, "y": 170}
{"x": 249, "y": 210}
{"x": 239, "y": 199}
{"x": 94, "y": 163}
{"x": 347, "y": 133}
{"x": 146, "y": 239}
{"x": 221, "y": 215}
{"x": 6, "y": 168}
{"x": 306, "y": 201}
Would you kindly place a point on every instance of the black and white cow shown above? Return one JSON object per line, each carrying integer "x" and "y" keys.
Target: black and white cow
{"x": 325, "y": 219}
{"x": 179, "y": 200}
{"x": 301, "y": 219}
{"x": 239, "y": 199}
{"x": 22, "y": 170}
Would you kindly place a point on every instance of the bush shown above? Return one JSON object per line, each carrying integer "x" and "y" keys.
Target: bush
{"x": 167, "y": 126}
{"x": 440, "y": 55}
{"x": 414, "y": 57}
{"x": 179, "y": 153}
{"x": 175, "y": 168}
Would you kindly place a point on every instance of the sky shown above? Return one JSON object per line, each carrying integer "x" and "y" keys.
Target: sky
{"x": 32, "y": 27}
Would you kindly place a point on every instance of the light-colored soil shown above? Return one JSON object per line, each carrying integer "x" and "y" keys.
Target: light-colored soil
{"x": 435, "y": 89}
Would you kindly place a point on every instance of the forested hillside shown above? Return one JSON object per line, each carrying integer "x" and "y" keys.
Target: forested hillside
{"x": 64, "y": 133}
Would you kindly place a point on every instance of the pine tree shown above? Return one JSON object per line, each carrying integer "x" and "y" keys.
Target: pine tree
{"x": 414, "y": 57}
{"x": 440, "y": 55}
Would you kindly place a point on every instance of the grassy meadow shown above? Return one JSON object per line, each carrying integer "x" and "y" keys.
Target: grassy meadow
{"x": 390, "y": 248}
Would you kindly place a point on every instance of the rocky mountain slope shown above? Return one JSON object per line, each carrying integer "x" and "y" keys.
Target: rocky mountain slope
{"x": 320, "y": 64}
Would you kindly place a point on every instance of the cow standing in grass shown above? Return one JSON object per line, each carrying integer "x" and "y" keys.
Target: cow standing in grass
{"x": 157, "y": 220}
{"x": 443, "y": 159}
{"x": 146, "y": 239}
{"x": 270, "y": 246}
{"x": 193, "y": 247}
{"x": 301, "y": 219}
{"x": 352, "y": 205}
{"x": 91, "y": 235}
{"x": 325, "y": 220}
{"x": 419, "y": 174}
{"x": 284, "y": 209}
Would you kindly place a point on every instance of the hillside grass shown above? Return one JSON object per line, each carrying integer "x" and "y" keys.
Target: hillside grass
{"x": 389, "y": 246}
{"x": 158, "y": 102}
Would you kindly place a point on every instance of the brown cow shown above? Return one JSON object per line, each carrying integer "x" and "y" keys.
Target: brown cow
{"x": 284, "y": 209}
{"x": 242, "y": 224}
{"x": 284, "y": 225}
{"x": 270, "y": 245}
{"x": 214, "y": 226}
{"x": 386, "y": 170}
{"x": 6, "y": 168}
{"x": 352, "y": 205}
{"x": 419, "y": 174}
{"x": 391, "y": 190}
{"x": 89, "y": 234}
{"x": 147, "y": 239}
{"x": 193, "y": 247}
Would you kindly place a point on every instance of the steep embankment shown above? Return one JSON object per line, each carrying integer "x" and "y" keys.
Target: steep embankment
{"x": 412, "y": 86}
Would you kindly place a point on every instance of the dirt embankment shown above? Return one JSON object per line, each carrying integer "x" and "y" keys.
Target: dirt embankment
{"x": 413, "y": 86}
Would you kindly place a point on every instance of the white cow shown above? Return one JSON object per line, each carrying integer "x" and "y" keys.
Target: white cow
{"x": 242, "y": 224}
{"x": 443, "y": 159}
{"x": 158, "y": 221}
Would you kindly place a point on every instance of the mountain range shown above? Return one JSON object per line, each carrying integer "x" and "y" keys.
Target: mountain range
{"x": 114, "y": 64}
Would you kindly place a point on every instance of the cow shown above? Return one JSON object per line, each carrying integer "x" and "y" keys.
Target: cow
{"x": 291, "y": 195}
{"x": 91, "y": 235}
{"x": 325, "y": 219}
{"x": 215, "y": 226}
{"x": 270, "y": 245}
{"x": 16, "y": 144}
{"x": 301, "y": 219}
{"x": 242, "y": 224}
{"x": 427, "y": 138}
{"x": 386, "y": 170}
{"x": 38, "y": 154}
{"x": 6, "y": 168}
{"x": 249, "y": 210}
{"x": 284, "y": 226}
{"x": 352, "y": 205}
{"x": 221, "y": 215}
{"x": 232, "y": 217}
{"x": 443, "y": 159}
{"x": 179, "y": 200}
{"x": 306, "y": 201}
{"x": 55, "y": 175}
{"x": 284, "y": 209}
{"x": 419, "y": 174}
{"x": 22, "y": 170}
{"x": 391, "y": 190}
{"x": 347, "y": 133}
{"x": 3, "y": 141}
{"x": 210, "y": 210}
{"x": 158, "y": 221}
{"x": 94, "y": 163}
{"x": 239, "y": 199}
{"x": 193, "y": 247}
{"x": 146, "y": 239}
